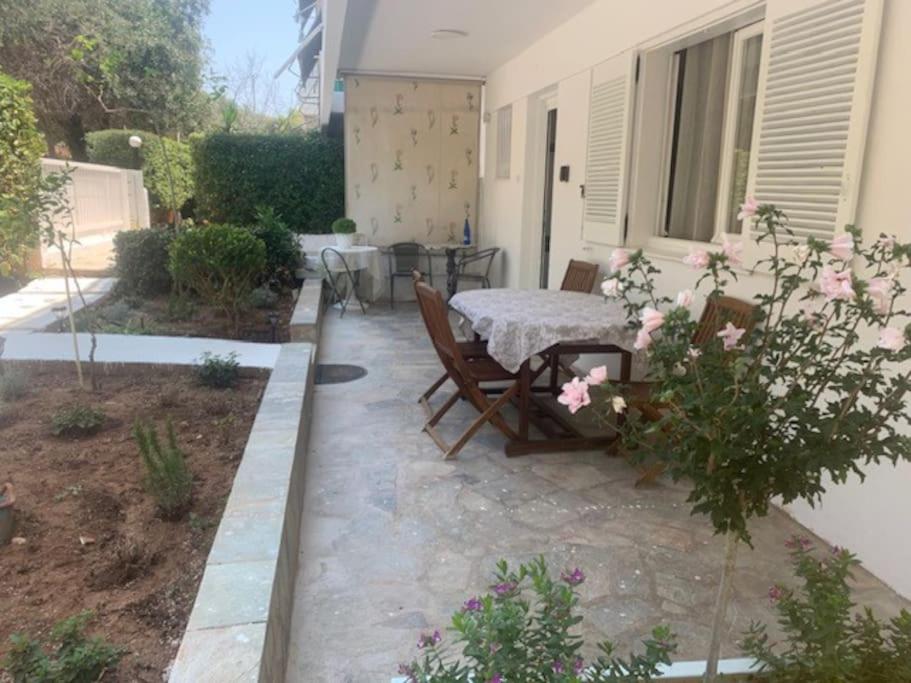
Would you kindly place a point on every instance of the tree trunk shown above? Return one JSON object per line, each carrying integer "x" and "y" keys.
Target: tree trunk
{"x": 721, "y": 605}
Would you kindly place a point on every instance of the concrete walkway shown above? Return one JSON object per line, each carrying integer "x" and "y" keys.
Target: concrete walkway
{"x": 394, "y": 539}
{"x": 31, "y": 308}
{"x": 128, "y": 348}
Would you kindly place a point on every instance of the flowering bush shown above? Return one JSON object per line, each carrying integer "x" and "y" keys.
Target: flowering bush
{"x": 826, "y": 638}
{"x": 505, "y": 638}
{"x": 749, "y": 416}
{"x": 775, "y": 407}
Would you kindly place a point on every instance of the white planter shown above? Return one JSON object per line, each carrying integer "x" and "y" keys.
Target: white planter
{"x": 692, "y": 672}
{"x": 344, "y": 241}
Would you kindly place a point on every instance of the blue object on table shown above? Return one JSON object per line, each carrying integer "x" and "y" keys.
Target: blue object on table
{"x": 466, "y": 233}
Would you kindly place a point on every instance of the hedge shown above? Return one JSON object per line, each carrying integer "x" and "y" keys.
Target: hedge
{"x": 21, "y": 146}
{"x": 301, "y": 176}
{"x": 112, "y": 148}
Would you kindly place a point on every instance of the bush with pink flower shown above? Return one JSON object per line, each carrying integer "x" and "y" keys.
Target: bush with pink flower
{"x": 808, "y": 397}
{"x": 504, "y": 636}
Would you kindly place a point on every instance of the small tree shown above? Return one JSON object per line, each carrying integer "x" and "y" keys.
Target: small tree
{"x": 51, "y": 204}
{"x": 751, "y": 417}
{"x": 221, "y": 263}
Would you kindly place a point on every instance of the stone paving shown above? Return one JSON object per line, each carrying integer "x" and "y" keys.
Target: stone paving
{"x": 31, "y": 309}
{"x": 394, "y": 539}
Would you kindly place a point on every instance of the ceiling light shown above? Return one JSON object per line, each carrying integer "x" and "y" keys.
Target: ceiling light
{"x": 448, "y": 34}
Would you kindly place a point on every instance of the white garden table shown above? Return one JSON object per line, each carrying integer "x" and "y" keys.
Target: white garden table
{"x": 519, "y": 324}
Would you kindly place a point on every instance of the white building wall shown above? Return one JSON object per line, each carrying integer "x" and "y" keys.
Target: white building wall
{"x": 869, "y": 518}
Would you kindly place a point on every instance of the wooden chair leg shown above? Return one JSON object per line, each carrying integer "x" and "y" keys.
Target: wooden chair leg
{"x": 492, "y": 410}
{"x": 424, "y": 400}
{"x": 650, "y": 473}
{"x": 434, "y": 418}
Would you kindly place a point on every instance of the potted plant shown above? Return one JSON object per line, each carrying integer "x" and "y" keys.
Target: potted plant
{"x": 7, "y": 504}
{"x": 345, "y": 230}
{"x": 804, "y": 398}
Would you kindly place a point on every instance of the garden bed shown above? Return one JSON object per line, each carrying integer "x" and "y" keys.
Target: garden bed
{"x": 92, "y": 537}
{"x": 166, "y": 316}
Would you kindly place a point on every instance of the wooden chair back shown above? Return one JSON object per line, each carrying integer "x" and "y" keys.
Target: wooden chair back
{"x": 436, "y": 319}
{"x": 580, "y": 277}
{"x": 718, "y": 312}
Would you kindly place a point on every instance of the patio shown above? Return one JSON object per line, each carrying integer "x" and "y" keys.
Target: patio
{"x": 394, "y": 539}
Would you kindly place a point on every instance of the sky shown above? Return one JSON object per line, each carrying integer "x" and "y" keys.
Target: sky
{"x": 264, "y": 28}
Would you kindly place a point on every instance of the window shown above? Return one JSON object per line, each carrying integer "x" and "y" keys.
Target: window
{"x": 504, "y": 141}
{"x": 713, "y": 91}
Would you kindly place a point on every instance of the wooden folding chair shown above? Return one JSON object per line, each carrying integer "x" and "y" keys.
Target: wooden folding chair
{"x": 466, "y": 374}
{"x": 718, "y": 312}
{"x": 580, "y": 277}
{"x": 473, "y": 349}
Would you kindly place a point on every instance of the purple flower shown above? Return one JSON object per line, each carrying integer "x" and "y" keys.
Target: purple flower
{"x": 428, "y": 640}
{"x": 574, "y": 578}
{"x": 578, "y": 665}
{"x": 504, "y": 588}
{"x": 496, "y": 678}
{"x": 557, "y": 666}
{"x": 471, "y": 605}
{"x": 801, "y": 542}
{"x": 408, "y": 671}
{"x": 774, "y": 594}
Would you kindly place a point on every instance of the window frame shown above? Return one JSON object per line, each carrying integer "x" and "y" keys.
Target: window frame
{"x": 742, "y": 27}
{"x": 729, "y": 129}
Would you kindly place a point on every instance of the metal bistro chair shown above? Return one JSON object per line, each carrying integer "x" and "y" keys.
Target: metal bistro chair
{"x": 335, "y": 276}
{"x": 485, "y": 258}
{"x": 404, "y": 259}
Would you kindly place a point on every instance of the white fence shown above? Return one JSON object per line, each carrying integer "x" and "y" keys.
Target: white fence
{"x": 105, "y": 199}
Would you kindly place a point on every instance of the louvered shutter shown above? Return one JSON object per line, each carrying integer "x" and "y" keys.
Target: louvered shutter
{"x": 607, "y": 163}
{"x": 816, "y": 82}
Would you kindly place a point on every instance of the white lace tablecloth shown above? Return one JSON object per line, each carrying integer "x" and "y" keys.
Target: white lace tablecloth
{"x": 519, "y": 323}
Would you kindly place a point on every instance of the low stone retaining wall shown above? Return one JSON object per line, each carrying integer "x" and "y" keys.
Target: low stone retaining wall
{"x": 308, "y": 311}
{"x": 239, "y": 627}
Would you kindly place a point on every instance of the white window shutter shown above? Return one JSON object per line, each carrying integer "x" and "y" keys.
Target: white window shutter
{"x": 607, "y": 163}
{"x": 816, "y": 83}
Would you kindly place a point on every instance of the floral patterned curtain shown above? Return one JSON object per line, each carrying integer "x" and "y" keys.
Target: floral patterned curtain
{"x": 411, "y": 158}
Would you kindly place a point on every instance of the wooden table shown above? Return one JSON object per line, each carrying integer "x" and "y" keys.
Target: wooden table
{"x": 520, "y": 325}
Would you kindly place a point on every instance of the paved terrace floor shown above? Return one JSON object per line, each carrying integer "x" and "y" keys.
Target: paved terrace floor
{"x": 395, "y": 539}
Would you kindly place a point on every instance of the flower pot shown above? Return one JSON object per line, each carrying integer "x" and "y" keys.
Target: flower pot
{"x": 7, "y": 505}
{"x": 344, "y": 240}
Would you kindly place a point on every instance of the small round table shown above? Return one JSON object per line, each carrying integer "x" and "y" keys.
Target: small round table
{"x": 347, "y": 263}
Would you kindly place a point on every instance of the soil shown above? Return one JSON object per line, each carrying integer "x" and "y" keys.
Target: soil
{"x": 162, "y": 315}
{"x": 93, "y": 539}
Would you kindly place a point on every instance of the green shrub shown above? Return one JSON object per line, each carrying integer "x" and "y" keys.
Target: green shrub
{"x": 218, "y": 372}
{"x": 221, "y": 263}
{"x": 74, "y": 658}
{"x": 21, "y": 147}
{"x": 167, "y": 476}
{"x": 77, "y": 420}
{"x": 282, "y": 249}
{"x": 141, "y": 261}
{"x": 302, "y": 176}
{"x": 505, "y": 636}
{"x": 826, "y": 638}
{"x": 344, "y": 226}
{"x": 263, "y": 297}
{"x": 13, "y": 383}
{"x": 167, "y": 164}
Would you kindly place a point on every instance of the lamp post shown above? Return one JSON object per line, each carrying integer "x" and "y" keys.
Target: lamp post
{"x": 135, "y": 142}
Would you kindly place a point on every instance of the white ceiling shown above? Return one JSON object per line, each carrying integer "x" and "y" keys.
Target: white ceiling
{"x": 394, "y": 35}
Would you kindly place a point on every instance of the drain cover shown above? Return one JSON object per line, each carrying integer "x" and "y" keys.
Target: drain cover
{"x": 338, "y": 373}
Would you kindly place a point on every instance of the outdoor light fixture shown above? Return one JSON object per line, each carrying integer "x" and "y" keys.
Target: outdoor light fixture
{"x": 448, "y": 34}
{"x": 135, "y": 141}
{"x": 273, "y": 321}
